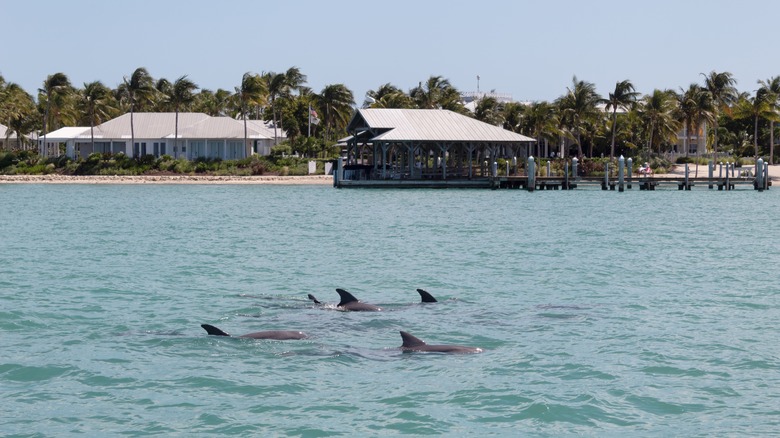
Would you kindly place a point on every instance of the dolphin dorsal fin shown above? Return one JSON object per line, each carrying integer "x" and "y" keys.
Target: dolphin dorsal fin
{"x": 426, "y": 297}
{"x": 346, "y": 297}
{"x": 313, "y": 298}
{"x": 210, "y": 329}
{"x": 410, "y": 341}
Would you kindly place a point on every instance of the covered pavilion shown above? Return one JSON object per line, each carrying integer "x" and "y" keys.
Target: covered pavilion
{"x": 425, "y": 144}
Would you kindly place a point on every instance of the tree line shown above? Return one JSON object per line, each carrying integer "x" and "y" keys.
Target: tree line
{"x": 622, "y": 122}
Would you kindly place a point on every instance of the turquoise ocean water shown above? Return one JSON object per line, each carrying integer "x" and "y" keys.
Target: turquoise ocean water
{"x": 601, "y": 313}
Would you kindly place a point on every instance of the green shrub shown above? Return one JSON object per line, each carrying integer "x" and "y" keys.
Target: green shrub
{"x": 7, "y": 160}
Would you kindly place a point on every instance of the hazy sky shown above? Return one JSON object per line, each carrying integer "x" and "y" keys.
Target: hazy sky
{"x": 530, "y": 49}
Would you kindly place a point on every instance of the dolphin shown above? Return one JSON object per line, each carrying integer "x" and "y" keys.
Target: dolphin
{"x": 279, "y": 335}
{"x": 410, "y": 343}
{"x": 349, "y": 302}
{"x": 426, "y": 297}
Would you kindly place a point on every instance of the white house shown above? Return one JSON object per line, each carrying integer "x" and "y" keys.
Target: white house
{"x": 9, "y": 140}
{"x": 198, "y": 135}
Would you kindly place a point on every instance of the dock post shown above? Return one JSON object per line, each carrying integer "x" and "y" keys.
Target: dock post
{"x": 687, "y": 180}
{"x": 605, "y": 184}
{"x": 337, "y": 174}
{"x": 507, "y": 167}
{"x": 630, "y": 166}
{"x": 566, "y": 177}
{"x": 549, "y": 171}
{"x": 574, "y": 163}
{"x": 728, "y": 185}
{"x": 514, "y": 164}
{"x": 531, "y": 174}
{"x": 494, "y": 169}
{"x": 621, "y": 165}
{"x": 766, "y": 176}
{"x": 759, "y": 183}
{"x": 711, "y": 169}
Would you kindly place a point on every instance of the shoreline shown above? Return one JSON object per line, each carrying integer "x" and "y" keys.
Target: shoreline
{"x": 165, "y": 179}
{"x": 678, "y": 171}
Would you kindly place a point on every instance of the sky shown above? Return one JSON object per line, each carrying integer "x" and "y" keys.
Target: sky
{"x": 529, "y": 49}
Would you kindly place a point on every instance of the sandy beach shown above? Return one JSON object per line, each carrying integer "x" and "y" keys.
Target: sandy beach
{"x": 164, "y": 179}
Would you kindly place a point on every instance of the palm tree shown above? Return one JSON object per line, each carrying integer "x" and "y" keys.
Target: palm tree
{"x": 216, "y": 104}
{"x": 388, "y": 96}
{"x": 138, "y": 89}
{"x": 694, "y": 106}
{"x": 163, "y": 88}
{"x": 279, "y": 85}
{"x": 17, "y": 111}
{"x": 578, "y": 106}
{"x": 54, "y": 86}
{"x": 489, "y": 110}
{"x": 275, "y": 84}
{"x": 540, "y": 122}
{"x": 772, "y": 86}
{"x": 437, "y": 93}
{"x": 181, "y": 95}
{"x": 756, "y": 107}
{"x": 251, "y": 92}
{"x": 623, "y": 96}
{"x": 721, "y": 88}
{"x": 97, "y": 105}
{"x": 337, "y": 101}
{"x": 512, "y": 114}
{"x": 657, "y": 112}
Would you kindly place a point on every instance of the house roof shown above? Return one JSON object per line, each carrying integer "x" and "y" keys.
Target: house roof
{"x": 429, "y": 125}
{"x": 263, "y": 128}
{"x": 163, "y": 126}
{"x": 220, "y": 127}
{"x": 148, "y": 125}
{"x": 68, "y": 133}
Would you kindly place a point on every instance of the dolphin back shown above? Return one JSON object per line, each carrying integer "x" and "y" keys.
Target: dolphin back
{"x": 210, "y": 329}
{"x": 346, "y": 297}
{"x": 426, "y": 297}
{"x": 410, "y": 341}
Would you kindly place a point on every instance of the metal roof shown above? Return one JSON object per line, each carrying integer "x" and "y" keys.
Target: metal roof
{"x": 148, "y": 125}
{"x": 219, "y": 128}
{"x": 163, "y": 126}
{"x": 432, "y": 125}
{"x": 264, "y": 129}
{"x": 68, "y": 133}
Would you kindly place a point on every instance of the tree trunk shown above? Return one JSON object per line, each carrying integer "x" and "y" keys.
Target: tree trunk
{"x": 614, "y": 122}
{"x": 687, "y": 140}
{"x": 175, "y": 132}
{"x": 755, "y": 138}
{"x": 771, "y": 142}
{"x": 715, "y": 142}
{"x": 132, "y": 131}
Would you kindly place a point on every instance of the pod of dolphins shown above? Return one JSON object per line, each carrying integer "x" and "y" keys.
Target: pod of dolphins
{"x": 350, "y": 303}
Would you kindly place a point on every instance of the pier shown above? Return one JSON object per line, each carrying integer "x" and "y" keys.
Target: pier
{"x": 726, "y": 178}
